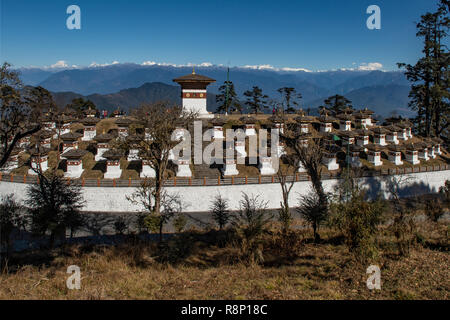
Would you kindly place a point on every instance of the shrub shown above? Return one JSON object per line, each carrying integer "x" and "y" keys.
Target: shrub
{"x": 314, "y": 211}
{"x": 403, "y": 227}
{"x": 358, "y": 221}
{"x": 445, "y": 191}
{"x": 140, "y": 223}
{"x": 179, "y": 223}
{"x": 284, "y": 217}
{"x": 120, "y": 225}
{"x": 220, "y": 212}
{"x": 250, "y": 223}
{"x": 434, "y": 210}
{"x": 9, "y": 219}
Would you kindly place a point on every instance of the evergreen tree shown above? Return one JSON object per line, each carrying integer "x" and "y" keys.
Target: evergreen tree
{"x": 228, "y": 101}
{"x": 430, "y": 75}
{"x": 256, "y": 100}
{"x": 337, "y": 103}
{"x": 54, "y": 205}
{"x": 80, "y": 105}
{"x": 291, "y": 99}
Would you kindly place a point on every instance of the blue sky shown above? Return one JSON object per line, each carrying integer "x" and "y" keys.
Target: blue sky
{"x": 316, "y": 35}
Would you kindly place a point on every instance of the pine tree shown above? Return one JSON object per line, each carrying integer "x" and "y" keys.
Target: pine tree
{"x": 337, "y": 103}
{"x": 430, "y": 76}
{"x": 228, "y": 101}
{"x": 256, "y": 100}
{"x": 291, "y": 99}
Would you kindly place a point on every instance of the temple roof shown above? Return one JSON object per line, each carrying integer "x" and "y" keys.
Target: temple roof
{"x": 123, "y": 122}
{"x": 71, "y": 136}
{"x": 350, "y": 134}
{"x": 218, "y": 122}
{"x": 404, "y": 124}
{"x": 374, "y": 147}
{"x": 135, "y": 139}
{"x": 362, "y": 132}
{"x": 412, "y": 146}
{"x": 38, "y": 150}
{"x": 362, "y": 114}
{"x": 332, "y": 148}
{"x": 113, "y": 154}
{"x": 193, "y": 77}
{"x": 43, "y": 134}
{"x": 393, "y": 128}
{"x": 379, "y": 130}
{"x": 304, "y": 119}
{"x": 104, "y": 137}
{"x": 74, "y": 154}
{"x": 396, "y": 147}
{"x": 90, "y": 121}
{"x": 355, "y": 148}
{"x": 344, "y": 117}
{"x": 276, "y": 118}
{"x": 248, "y": 120}
{"x": 326, "y": 118}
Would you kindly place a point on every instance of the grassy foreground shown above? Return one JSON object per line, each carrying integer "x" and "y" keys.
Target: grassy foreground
{"x": 195, "y": 265}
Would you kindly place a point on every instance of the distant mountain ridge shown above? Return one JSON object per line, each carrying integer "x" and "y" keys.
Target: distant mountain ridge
{"x": 382, "y": 91}
{"x": 133, "y": 97}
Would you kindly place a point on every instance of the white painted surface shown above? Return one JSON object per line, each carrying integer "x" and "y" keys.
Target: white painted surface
{"x": 195, "y": 104}
{"x": 199, "y": 198}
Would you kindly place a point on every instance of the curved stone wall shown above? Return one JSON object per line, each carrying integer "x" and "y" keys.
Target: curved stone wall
{"x": 198, "y": 198}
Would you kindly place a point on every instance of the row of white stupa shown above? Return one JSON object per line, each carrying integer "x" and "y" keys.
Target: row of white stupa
{"x": 360, "y": 138}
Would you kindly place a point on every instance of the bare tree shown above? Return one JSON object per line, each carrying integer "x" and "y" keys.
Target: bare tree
{"x": 309, "y": 155}
{"x": 288, "y": 168}
{"x": 160, "y": 120}
{"x": 19, "y": 111}
{"x": 403, "y": 226}
{"x": 170, "y": 205}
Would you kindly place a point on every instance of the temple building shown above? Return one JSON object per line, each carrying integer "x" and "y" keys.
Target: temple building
{"x": 90, "y": 128}
{"x": 74, "y": 163}
{"x": 249, "y": 125}
{"x": 353, "y": 156}
{"x": 218, "y": 124}
{"x": 70, "y": 141}
{"x": 412, "y": 154}
{"x": 193, "y": 93}
{"x": 124, "y": 126}
{"x": 374, "y": 155}
{"x": 13, "y": 161}
{"x": 395, "y": 154}
{"x": 38, "y": 160}
{"x": 113, "y": 170}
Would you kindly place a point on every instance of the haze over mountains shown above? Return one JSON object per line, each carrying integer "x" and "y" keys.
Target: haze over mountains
{"x": 128, "y": 85}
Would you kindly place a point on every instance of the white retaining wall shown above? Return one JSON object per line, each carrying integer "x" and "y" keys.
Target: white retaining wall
{"x": 198, "y": 198}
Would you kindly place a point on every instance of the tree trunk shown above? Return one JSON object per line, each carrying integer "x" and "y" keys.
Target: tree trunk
{"x": 315, "y": 231}
{"x": 160, "y": 233}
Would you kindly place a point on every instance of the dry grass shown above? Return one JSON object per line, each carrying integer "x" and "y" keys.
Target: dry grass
{"x": 105, "y": 125}
{"x": 207, "y": 271}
